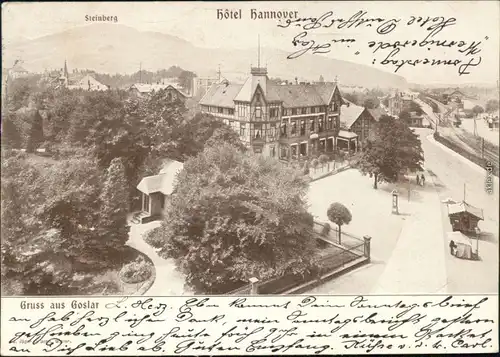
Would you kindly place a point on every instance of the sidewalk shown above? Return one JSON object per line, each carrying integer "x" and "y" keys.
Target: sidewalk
{"x": 168, "y": 281}
{"x": 417, "y": 264}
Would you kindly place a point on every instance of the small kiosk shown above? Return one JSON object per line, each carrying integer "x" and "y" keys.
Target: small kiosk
{"x": 465, "y": 217}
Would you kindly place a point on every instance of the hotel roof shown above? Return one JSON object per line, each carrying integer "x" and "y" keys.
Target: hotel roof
{"x": 291, "y": 95}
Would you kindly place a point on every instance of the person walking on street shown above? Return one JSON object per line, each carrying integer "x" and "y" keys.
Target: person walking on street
{"x": 422, "y": 179}
{"x": 418, "y": 180}
{"x": 452, "y": 247}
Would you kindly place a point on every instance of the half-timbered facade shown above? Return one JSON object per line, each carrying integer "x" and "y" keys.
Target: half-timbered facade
{"x": 286, "y": 121}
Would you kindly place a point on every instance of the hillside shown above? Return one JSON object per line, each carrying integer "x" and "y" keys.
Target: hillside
{"x": 112, "y": 48}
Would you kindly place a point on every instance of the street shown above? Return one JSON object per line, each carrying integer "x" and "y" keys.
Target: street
{"x": 451, "y": 173}
{"x": 410, "y": 252}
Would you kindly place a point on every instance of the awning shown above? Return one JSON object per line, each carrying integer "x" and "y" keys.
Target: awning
{"x": 465, "y": 207}
{"x": 344, "y": 134}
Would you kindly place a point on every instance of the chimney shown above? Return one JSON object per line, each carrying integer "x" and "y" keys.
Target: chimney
{"x": 296, "y": 80}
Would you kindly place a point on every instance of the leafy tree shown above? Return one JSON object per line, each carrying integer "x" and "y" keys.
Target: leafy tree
{"x": 323, "y": 159}
{"x": 405, "y": 116}
{"x": 476, "y": 110}
{"x": 371, "y": 103}
{"x": 186, "y": 80}
{"x": 394, "y": 149}
{"x": 35, "y": 136}
{"x": 340, "y": 215}
{"x": 225, "y": 134}
{"x": 315, "y": 164}
{"x": 491, "y": 105}
{"x": 236, "y": 215}
{"x": 11, "y": 137}
{"x": 305, "y": 168}
{"x": 113, "y": 214}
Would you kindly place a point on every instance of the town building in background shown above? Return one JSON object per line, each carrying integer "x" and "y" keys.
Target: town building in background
{"x": 400, "y": 102}
{"x": 174, "y": 91}
{"x": 76, "y": 80}
{"x": 18, "y": 71}
{"x": 278, "y": 119}
{"x": 357, "y": 124}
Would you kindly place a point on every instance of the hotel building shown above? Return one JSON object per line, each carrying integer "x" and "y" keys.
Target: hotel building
{"x": 288, "y": 121}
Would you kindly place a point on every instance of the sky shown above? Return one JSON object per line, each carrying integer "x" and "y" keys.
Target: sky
{"x": 197, "y": 23}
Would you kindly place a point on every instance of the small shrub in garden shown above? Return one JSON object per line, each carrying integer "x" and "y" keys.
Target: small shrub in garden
{"x": 325, "y": 230}
{"x": 136, "y": 271}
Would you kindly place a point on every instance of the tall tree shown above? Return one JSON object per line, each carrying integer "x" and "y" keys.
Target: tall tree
{"x": 11, "y": 137}
{"x": 394, "y": 150}
{"x": 35, "y": 135}
{"x": 234, "y": 216}
{"x": 113, "y": 214}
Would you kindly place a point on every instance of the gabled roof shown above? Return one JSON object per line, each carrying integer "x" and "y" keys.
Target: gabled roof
{"x": 349, "y": 114}
{"x": 148, "y": 88}
{"x": 164, "y": 182}
{"x": 326, "y": 91}
{"x": 302, "y": 95}
{"x": 291, "y": 95}
{"x": 377, "y": 112}
{"x": 18, "y": 68}
{"x": 465, "y": 207}
{"x": 221, "y": 95}
{"x": 88, "y": 82}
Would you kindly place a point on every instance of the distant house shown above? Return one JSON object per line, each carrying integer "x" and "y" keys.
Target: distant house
{"x": 88, "y": 83}
{"x": 356, "y": 125}
{"x": 174, "y": 92}
{"x": 400, "y": 102}
{"x": 454, "y": 95}
{"x": 18, "y": 71}
{"x": 156, "y": 190}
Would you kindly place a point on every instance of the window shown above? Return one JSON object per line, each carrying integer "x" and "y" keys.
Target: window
{"x": 320, "y": 124}
{"x": 272, "y": 151}
{"x": 330, "y": 123}
{"x": 272, "y": 131}
{"x": 312, "y": 125}
{"x": 220, "y": 110}
{"x": 294, "y": 150}
{"x": 283, "y": 152}
{"x": 302, "y": 127}
{"x": 294, "y": 128}
{"x": 257, "y": 131}
{"x": 294, "y": 111}
{"x": 283, "y": 128}
{"x": 273, "y": 112}
{"x": 313, "y": 110}
{"x": 258, "y": 112}
{"x": 304, "y": 110}
{"x": 231, "y": 111}
{"x": 242, "y": 129}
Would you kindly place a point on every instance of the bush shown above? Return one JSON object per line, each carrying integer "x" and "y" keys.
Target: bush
{"x": 136, "y": 271}
{"x": 326, "y": 229}
{"x": 155, "y": 237}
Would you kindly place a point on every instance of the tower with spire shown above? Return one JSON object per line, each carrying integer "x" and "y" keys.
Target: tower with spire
{"x": 259, "y": 74}
{"x": 66, "y": 74}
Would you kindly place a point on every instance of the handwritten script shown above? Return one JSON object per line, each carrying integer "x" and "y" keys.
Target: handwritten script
{"x": 249, "y": 325}
{"x": 319, "y": 35}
